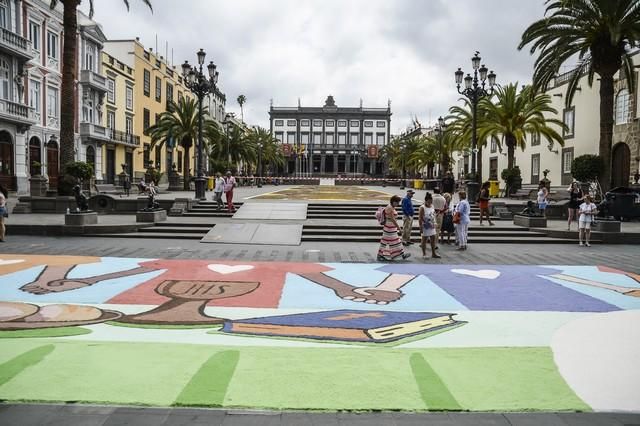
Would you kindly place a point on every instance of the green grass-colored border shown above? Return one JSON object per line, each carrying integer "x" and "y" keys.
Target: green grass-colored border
{"x": 43, "y": 332}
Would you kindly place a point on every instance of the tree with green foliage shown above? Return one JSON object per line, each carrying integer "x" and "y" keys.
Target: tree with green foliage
{"x": 242, "y": 99}
{"x": 179, "y": 125}
{"x": 68, "y": 98}
{"x": 515, "y": 115}
{"x": 602, "y": 34}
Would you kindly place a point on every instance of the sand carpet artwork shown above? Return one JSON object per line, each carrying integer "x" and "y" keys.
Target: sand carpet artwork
{"x": 326, "y": 193}
{"x": 328, "y": 336}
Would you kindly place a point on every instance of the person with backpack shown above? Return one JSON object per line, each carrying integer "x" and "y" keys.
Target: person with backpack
{"x": 390, "y": 244}
{"x": 4, "y": 194}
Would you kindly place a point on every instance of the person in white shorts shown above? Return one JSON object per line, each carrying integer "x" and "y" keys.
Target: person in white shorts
{"x": 427, "y": 220}
{"x": 587, "y": 211}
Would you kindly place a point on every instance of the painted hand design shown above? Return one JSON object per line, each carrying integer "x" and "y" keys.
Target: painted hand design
{"x": 53, "y": 279}
{"x": 387, "y": 291}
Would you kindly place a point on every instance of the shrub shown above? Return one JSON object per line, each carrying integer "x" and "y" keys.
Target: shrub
{"x": 508, "y": 175}
{"x": 79, "y": 170}
{"x": 587, "y": 168}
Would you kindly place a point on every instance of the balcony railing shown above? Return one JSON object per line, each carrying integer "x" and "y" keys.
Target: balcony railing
{"x": 15, "y": 44}
{"x": 94, "y": 80}
{"x": 16, "y": 112}
{"x": 94, "y": 131}
{"x": 124, "y": 137}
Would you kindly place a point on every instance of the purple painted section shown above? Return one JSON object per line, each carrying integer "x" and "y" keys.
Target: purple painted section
{"x": 518, "y": 288}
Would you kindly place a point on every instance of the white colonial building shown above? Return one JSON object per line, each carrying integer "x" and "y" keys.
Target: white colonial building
{"x": 332, "y": 140}
{"x": 30, "y": 80}
{"x": 582, "y": 137}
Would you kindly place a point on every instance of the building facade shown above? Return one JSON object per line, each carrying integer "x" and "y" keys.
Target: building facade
{"x": 31, "y": 78}
{"x": 582, "y": 137}
{"x": 154, "y": 85}
{"x": 332, "y": 140}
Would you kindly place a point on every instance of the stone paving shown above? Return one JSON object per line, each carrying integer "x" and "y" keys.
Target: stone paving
{"x": 83, "y": 415}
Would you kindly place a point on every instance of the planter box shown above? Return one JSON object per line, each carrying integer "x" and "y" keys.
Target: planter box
{"x": 153, "y": 216}
{"x": 38, "y": 185}
{"x": 606, "y": 226}
{"x": 530, "y": 221}
{"x": 81, "y": 219}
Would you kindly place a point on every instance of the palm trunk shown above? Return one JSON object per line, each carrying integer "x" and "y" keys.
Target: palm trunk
{"x": 511, "y": 148}
{"x": 68, "y": 96}
{"x": 479, "y": 163}
{"x": 606, "y": 128}
{"x": 185, "y": 167}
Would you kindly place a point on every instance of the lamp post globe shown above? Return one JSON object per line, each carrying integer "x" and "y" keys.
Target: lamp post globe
{"x": 475, "y": 88}
{"x": 200, "y": 85}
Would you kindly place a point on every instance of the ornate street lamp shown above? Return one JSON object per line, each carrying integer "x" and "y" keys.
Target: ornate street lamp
{"x": 200, "y": 85}
{"x": 440, "y": 127}
{"x": 474, "y": 90}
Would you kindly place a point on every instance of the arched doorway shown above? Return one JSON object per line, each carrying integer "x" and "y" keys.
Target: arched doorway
{"x": 7, "y": 178}
{"x": 35, "y": 156}
{"x": 53, "y": 164}
{"x": 621, "y": 165}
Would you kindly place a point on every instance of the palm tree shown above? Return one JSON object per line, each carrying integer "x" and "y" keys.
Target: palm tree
{"x": 426, "y": 153}
{"x": 180, "y": 124}
{"x": 242, "y": 99}
{"x": 398, "y": 154}
{"x": 68, "y": 98}
{"x": 267, "y": 148}
{"x": 232, "y": 148}
{"x": 515, "y": 115}
{"x": 601, "y": 33}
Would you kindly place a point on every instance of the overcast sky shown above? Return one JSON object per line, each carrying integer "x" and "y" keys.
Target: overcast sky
{"x": 374, "y": 50}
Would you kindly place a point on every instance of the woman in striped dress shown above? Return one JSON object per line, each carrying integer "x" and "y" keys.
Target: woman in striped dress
{"x": 391, "y": 244}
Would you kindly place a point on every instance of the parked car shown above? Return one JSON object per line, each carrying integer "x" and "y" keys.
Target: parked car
{"x": 622, "y": 203}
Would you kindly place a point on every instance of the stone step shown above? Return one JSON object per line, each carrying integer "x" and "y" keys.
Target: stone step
{"x": 476, "y": 240}
{"x": 178, "y": 229}
{"x": 154, "y": 235}
{"x": 416, "y": 232}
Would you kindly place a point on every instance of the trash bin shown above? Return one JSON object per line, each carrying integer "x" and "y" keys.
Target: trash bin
{"x": 210, "y": 183}
{"x": 494, "y": 188}
{"x": 417, "y": 183}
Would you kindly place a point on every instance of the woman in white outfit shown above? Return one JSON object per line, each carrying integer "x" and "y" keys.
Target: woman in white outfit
{"x": 427, "y": 221}
{"x": 587, "y": 211}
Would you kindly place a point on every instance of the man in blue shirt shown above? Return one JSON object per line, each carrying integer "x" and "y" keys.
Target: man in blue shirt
{"x": 407, "y": 216}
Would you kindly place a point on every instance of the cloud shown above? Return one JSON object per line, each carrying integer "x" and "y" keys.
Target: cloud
{"x": 374, "y": 50}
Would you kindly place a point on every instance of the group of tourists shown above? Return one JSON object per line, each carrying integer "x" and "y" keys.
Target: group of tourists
{"x": 437, "y": 219}
{"x": 224, "y": 185}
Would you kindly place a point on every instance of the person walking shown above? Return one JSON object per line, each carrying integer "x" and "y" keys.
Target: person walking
{"x": 427, "y": 220}
{"x": 447, "y": 220}
{"x": 463, "y": 210}
{"x": 4, "y": 194}
{"x": 575, "y": 199}
{"x": 439, "y": 204}
{"x": 218, "y": 190}
{"x": 407, "y": 217}
{"x": 483, "y": 199}
{"x": 543, "y": 192}
{"x": 390, "y": 243}
{"x": 229, "y": 185}
{"x": 587, "y": 211}
{"x": 449, "y": 183}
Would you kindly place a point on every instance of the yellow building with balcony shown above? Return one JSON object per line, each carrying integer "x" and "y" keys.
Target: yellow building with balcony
{"x": 140, "y": 96}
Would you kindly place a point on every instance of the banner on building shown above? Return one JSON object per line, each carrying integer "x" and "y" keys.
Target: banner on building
{"x": 372, "y": 151}
{"x": 286, "y": 150}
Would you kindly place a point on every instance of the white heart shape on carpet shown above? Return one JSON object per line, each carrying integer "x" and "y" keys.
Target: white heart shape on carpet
{"x": 228, "y": 269}
{"x": 487, "y": 274}
{"x": 10, "y": 261}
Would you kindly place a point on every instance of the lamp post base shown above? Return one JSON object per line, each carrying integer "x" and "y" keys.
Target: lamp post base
{"x": 473, "y": 188}
{"x": 201, "y": 188}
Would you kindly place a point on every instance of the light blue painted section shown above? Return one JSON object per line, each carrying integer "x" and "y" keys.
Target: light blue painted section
{"x": 419, "y": 294}
{"x": 98, "y": 293}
